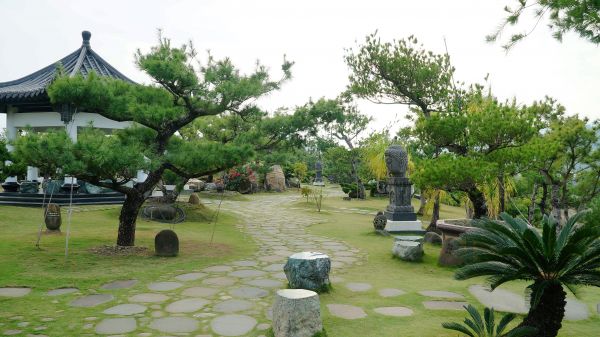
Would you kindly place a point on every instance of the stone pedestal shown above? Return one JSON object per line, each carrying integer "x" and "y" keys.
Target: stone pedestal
{"x": 318, "y": 174}
{"x": 296, "y": 313}
{"x": 408, "y": 250}
{"x": 308, "y": 270}
{"x": 451, "y": 233}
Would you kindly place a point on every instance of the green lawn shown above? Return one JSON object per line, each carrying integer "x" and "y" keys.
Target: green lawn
{"x": 382, "y": 271}
{"x": 22, "y": 264}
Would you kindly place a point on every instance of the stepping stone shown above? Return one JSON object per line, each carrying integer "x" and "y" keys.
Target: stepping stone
{"x": 249, "y": 292}
{"x": 219, "y": 281}
{"x": 280, "y": 276}
{"x": 346, "y": 311}
{"x": 217, "y": 269}
{"x": 91, "y": 300}
{"x": 358, "y": 287}
{"x": 164, "y": 286}
{"x": 266, "y": 283}
{"x": 345, "y": 259}
{"x": 576, "y": 310}
{"x": 148, "y": 298}
{"x": 61, "y": 291}
{"x": 187, "y": 305}
{"x": 125, "y": 309}
{"x": 122, "y": 284}
{"x": 391, "y": 292}
{"x": 274, "y": 267}
{"x": 174, "y": 324}
{"x": 14, "y": 291}
{"x": 230, "y": 306}
{"x": 271, "y": 258}
{"x": 444, "y": 305}
{"x": 233, "y": 325}
{"x": 199, "y": 292}
{"x": 190, "y": 276}
{"x": 12, "y": 332}
{"x": 247, "y": 273}
{"x": 246, "y": 263}
{"x": 441, "y": 294}
{"x": 499, "y": 299}
{"x": 394, "y": 311}
{"x": 111, "y": 326}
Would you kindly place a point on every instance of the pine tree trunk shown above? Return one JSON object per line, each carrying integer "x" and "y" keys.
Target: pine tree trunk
{"x": 478, "y": 200}
{"x": 547, "y": 316}
{"x": 531, "y": 210}
{"x": 422, "y": 203}
{"x": 359, "y": 185}
{"x": 127, "y": 218}
{"x": 542, "y": 203}
{"x": 435, "y": 216}
{"x": 565, "y": 200}
{"x": 555, "y": 202}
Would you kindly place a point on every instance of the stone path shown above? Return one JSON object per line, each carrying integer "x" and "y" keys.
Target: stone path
{"x": 234, "y": 299}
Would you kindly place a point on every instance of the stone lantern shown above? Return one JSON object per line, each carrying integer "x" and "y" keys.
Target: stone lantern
{"x": 400, "y": 214}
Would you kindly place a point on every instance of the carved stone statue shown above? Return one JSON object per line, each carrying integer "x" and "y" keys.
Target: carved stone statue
{"x": 399, "y": 186}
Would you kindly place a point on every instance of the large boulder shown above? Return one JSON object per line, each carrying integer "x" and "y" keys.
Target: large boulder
{"x": 275, "y": 179}
{"x": 160, "y": 212}
{"x": 52, "y": 217}
{"x": 194, "y": 199}
{"x": 408, "y": 250}
{"x": 166, "y": 243}
{"x": 448, "y": 256}
{"x": 308, "y": 270}
{"x": 296, "y": 313}
{"x": 433, "y": 238}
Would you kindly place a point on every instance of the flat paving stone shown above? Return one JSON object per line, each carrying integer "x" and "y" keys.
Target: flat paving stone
{"x": 280, "y": 276}
{"x": 174, "y": 324}
{"x": 246, "y": 263}
{"x": 244, "y": 273}
{"x": 121, "y": 284}
{"x": 394, "y": 311}
{"x": 126, "y": 309}
{"x": 444, "y": 305}
{"x": 61, "y": 291}
{"x": 576, "y": 310}
{"x": 12, "y": 332}
{"x": 199, "y": 292}
{"x": 218, "y": 269}
{"x": 249, "y": 292}
{"x": 272, "y": 258}
{"x": 219, "y": 281}
{"x": 274, "y": 267}
{"x": 148, "y": 298}
{"x": 391, "y": 292}
{"x": 91, "y": 300}
{"x": 164, "y": 286}
{"x": 187, "y": 305}
{"x": 358, "y": 287}
{"x": 346, "y": 311}
{"x": 190, "y": 276}
{"x": 111, "y": 326}
{"x": 233, "y": 325}
{"x": 230, "y": 306}
{"x": 14, "y": 291}
{"x": 440, "y": 294}
{"x": 265, "y": 283}
{"x": 499, "y": 299}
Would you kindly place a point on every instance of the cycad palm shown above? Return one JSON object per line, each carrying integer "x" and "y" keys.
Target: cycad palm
{"x": 512, "y": 250}
{"x": 476, "y": 326}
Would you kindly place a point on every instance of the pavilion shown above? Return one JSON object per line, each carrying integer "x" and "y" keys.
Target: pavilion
{"x": 26, "y": 103}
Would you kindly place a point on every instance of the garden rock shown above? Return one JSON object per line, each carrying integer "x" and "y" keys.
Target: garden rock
{"x": 447, "y": 255}
{"x": 408, "y": 250}
{"x": 275, "y": 179}
{"x": 166, "y": 243}
{"x": 52, "y": 217}
{"x": 308, "y": 270}
{"x": 296, "y": 313}
{"x": 194, "y": 199}
{"x": 433, "y": 238}
{"x": 379, "y": 221}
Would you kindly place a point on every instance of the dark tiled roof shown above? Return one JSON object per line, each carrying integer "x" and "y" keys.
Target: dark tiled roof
{"x": 33, "y": 87}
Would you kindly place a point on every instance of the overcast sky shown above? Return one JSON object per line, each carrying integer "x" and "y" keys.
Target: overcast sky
{"x": 314, "y": 34}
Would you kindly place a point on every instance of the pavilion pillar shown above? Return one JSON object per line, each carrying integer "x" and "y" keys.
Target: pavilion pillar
{"x": 11, "y": 130}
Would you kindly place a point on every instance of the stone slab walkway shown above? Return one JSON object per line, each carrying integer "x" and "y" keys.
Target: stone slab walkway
{"x": 234, "y": 299}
